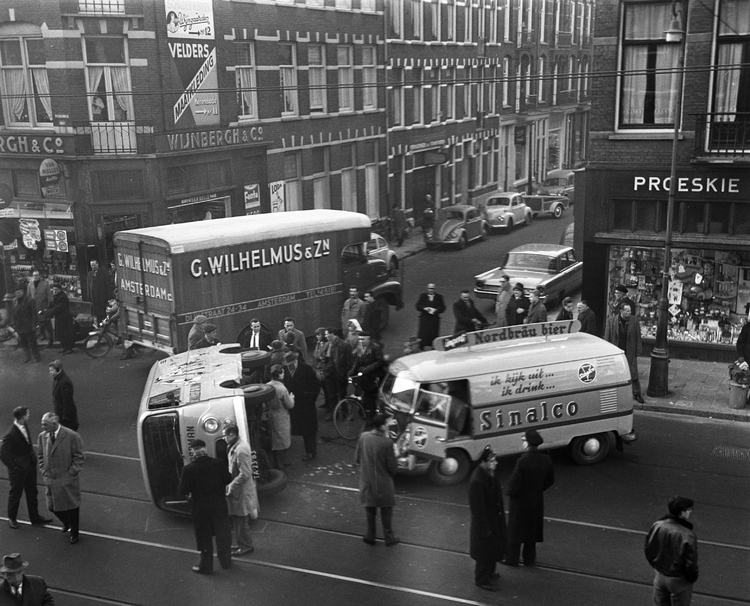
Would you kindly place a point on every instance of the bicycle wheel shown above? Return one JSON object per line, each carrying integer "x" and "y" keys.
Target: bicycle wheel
{"x": 98, "y": 344}
{"x": 349, "y": 418}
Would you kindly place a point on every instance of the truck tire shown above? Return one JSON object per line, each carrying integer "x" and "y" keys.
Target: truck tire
{"x": 589, "y": 450}
{"x": 258, "y": 393}
{"x": 276, "y": 484}
{"x": 558, "y": 211}
{"x": 440, "y": 471}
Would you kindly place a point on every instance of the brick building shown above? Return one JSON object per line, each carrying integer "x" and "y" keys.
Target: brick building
{"x": 625, "y": 187}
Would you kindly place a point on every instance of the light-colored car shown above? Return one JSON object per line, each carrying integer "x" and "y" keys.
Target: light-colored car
{"x": 552, "y": 267}
{"x": 560, "y": 182}
{"x": 506, "y": 209}
{"x": 547, "y": 205}
{"x": 457, "y": 225}
{"x": 377, "y": 248}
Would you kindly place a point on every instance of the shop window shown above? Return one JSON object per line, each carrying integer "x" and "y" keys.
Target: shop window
{"x": 645, "y": 215}
{"x": 23, "y": 78}
{"x": 198, "y": 177}
{"x": 694, "y": 217}
{"x": 622, "y": 215}
{"x": 741, "y": 222}
{"x": 118, "y": 185}
{"x": 26, "y": 183}
{"x": 718, "y": 222}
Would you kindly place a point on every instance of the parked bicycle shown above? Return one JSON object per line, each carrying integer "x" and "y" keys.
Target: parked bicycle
{"x": 100, "y": 340}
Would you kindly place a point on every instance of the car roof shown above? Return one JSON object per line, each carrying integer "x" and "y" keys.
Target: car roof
{"x": 560, "y": 172}
{"x": 542, "y": 249}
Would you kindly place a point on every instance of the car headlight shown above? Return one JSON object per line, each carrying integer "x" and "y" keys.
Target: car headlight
{"x": 452, "y": 236}
{"x": 211, "y": 425}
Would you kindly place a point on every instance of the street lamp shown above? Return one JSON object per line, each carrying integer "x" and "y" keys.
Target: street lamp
{"x": 658, "y": 381}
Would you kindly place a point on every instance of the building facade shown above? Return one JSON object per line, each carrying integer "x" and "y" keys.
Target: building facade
{"x": 645, "y": 80}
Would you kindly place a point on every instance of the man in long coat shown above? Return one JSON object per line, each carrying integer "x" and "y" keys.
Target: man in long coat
{"x": 468, "y": 317}
{"x": 62, "y": 396}
{"x": 39, "y": 290}
{"x": 25, "y": 323}
{"x": 101, "y": 289}
{"x": 33, "y": 589}
{"x": 518, "y": 306}
{"x": 342, "y": 357}
{"x": 301, "y": 381}
{"x": 429, "y": 305}
{"x": 378, "y": 465}
{"x": 375, "y": 318}
{"x": 60, "y": 456}
{"x": 623, "y": 330}
{"x": 537, "y": 311}
{"x": 242, "y": 492}
{"x": 531, "y": 476}
{"x": 59, "y": 309}
{"x": 488, "y": 536}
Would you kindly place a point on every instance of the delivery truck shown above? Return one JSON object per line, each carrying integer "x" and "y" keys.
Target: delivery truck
{"x": 269, "y": 266}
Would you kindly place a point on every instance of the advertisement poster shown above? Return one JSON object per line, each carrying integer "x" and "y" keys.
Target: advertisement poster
{"x": 252, "y": 199}
{"x": 278, "y": 201}
{"x": 192, "y": 46}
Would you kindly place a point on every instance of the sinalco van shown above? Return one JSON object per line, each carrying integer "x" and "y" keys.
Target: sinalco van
{"x": 488, "y": 387}
{"x": 194, "y": 395}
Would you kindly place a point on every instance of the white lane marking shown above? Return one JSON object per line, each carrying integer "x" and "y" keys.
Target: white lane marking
{"x": 112, "y": 456}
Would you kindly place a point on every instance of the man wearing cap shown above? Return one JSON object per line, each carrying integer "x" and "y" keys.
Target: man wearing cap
{"x": 205, "y": 480}
{"x": 624, "y": 330}
{"x": 302, "y": 383}
{"x": 537, "y": 310}
{"x": 672, "y": 550}
{"x": 21, "y": 588}
{"x": 429, "y": 305}
{"x": 196, "y": 330}
{"x": 210, "y": 336}
{"x": 487, "y": 538}
{"x": 25, "y": 323}
{"x": 518, "y": 306}
{"x": 531, "y": 476}
{"x": 468, "y": 317}
{"x": 59, "y": 309}
{"x": 621, "y": 298}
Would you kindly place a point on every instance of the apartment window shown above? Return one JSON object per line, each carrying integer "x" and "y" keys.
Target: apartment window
{"x": 543, "y": 22}
{"x": 372, "y": 190}
{"x": 102, "y": 7}
{"x": 555, "y": 83}
{"x": 565, "y": 23}
{"x": 397, "y": 17}
{"x": 26, "y": 99}
{"x": 571, "y": 73}
{"x": 493, "y": 14}
{"x": 416, "y": 97}
{"x": 540, "y": 79}
{"x": 349, "y": 179}
{"x": 459, "y": 96}
{"x": 506, "y": 20}
{"x": 448, "y": 19}
{"x": 315, "y": 2}
{"x": 416, "y": 19}
{"x": 396, "y": 109}
{"x": 108, "y": 78}
{"x": 321, "y": 185}
{"x": 491, "y": 89}
{"x": 368, "y": 6}
{"x": 447, "y": 92}
{"x": 118, "y": 184}
{"x": 346, "y": 78}
{"x": 468, "y": 21}
{"x": 244, "y": 76}
{"x": 292, "y": 181}
{"x": 370, "y": 77}
{"x": 433, "y": 10}
{"x": 288, "y": 80}
{"x": 732, "y": 94}
{"x": 317, "y": 75}
{"x": 506, "y": 83}
{"x": 430, "y": 97}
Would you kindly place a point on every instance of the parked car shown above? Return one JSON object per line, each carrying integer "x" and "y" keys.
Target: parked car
{"x": 506, "y": 209}
{"x": 459, "y": 225}
{"x": 547, "y": 205}
{"x": 559, "y": 182}
{"x": 552, "y": 267}
{"x": 377, "y": 248}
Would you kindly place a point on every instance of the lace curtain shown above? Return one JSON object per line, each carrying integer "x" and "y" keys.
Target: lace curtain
{"x": 16, "y": 85}
{"x": 42, "y": 86}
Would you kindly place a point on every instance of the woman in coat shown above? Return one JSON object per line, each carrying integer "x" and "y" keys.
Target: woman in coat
{"x": 279, "y": 422}
{"x": 59, "y": 309}
{"x": 487, "y": 538}
{"x": 300, "y": 380}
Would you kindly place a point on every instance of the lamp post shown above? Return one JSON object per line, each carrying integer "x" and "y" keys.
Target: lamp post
{"x": 658, "y": 381}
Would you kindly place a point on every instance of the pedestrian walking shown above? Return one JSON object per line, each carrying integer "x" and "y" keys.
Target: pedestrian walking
{"x": 430, "y": 306}
{"x": 279, "y": 421}
{"x": 196, "y": 330}
{"x": 210, "y": 336}
{"x": 25, "y": 323}
{"x": 60, "y": 457}
{"x": 488, "y": 534}
{"x": 377, "y": 466}
{"x": 298, "y": 339}
{"x": 518, "y": 306}
{"x": 39, "y": 290}
{"x": 101, "y": 288}
{"x": 62, "y": 396}
{"x": 242, "y": 492}
{"x": 17, "y": 454}
{"x": 537, "y": 310}
{"x": 59, "y": 309}
{"x": 375, "y": 318}
{"x": 587, "y": 318}
{"x": 672, "y": 550}
{"x": 353, "y": 309}
{"x": 468, "y": 317}
{"x": 624, "y": 331}
{"x": 300, "y": 380}
{"x": 504, "y": 295}
{"x": 398, "y": 221}
{"x": 205, "y": 480}
{"x": 370, "y": 365}
{"x": 566, "y": 313}
{"x": 531, "y": 476}
{"x": 22, "y": 588}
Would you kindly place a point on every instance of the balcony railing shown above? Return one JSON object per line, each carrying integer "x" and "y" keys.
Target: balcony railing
{"x": 118, "y": 138}
{"x": 722, "y": 134}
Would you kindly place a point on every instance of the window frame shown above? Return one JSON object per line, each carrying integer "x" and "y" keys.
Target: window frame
{"x": 290, "y": 92}
{"x": 252, "y": 91}
{"x": 345, "y": 70}
{"x": 370, "y": 78}
{"x": 30, "y": 84}
{"x": 111, "y": 103}
{"x": 320, "y": 87}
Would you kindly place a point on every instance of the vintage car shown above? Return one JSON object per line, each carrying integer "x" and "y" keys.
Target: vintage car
{"x": 560, "y": 182}
{"x": 552, "y": 267}
{"x": 547, "y": 205}
{"x": 377, "y": 248}
{"x": 459, "y": 225}
{"x": 506, "y": 209}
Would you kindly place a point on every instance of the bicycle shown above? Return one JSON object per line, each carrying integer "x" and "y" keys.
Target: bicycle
{"x": 100, "y": 340}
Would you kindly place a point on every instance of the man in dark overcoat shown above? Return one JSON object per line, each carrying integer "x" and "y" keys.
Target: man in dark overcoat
{"x": 587, "y": 318}
{"x": 624, "y": 330}
{"x": 375, "y": 318}
{"x": 488, "y": 536}
{"x": 468, "y": 317}
{"x": 531, "y": 476}
{"x": 342, "y": 357}
{"x": 59, "y": 309}
{"x": 370, "y": 363}
{"x": 62, "y": 396}
{"x": 301, "y": 381}
{"x": 17, "y": 454}
{"x": 39, "y": 290}
{"x": 101, "y": 289}
{"x": 205, "y": 480}
{"x": 25, "y": 323}
{"x": 518, "y": 306}
{"x": 33, "y": 590}
{"x": 377, "y": 466}
{"x": 429, "y": 305}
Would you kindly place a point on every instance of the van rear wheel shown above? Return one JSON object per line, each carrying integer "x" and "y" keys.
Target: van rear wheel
{"x": 450, "y": 471}
{"x": 588, "y": 450}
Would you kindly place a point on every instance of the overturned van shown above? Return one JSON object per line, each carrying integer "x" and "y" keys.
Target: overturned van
{"x": 487, "y": 387}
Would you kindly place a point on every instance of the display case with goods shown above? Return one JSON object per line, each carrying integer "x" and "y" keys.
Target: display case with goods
{"x": 709, "y": 291}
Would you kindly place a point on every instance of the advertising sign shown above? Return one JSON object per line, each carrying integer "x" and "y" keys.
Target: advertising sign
{"x": 56, "y": 239}
{"x": 49, "y": 178}
{"x": 278, "y": 201}
{"x": 252, "y": 199}
{"x": 507, "y": 333}
{"x": 192, "y": 46}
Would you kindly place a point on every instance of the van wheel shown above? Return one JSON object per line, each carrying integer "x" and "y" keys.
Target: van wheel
{"x": 588, "y": 450}
{"x": 276, "y": 484}
{"x": 254, "y": 359}
{"x": 258, "y": 393}
{"x": 450, "y": 471}
{"x": 558, "y": 211}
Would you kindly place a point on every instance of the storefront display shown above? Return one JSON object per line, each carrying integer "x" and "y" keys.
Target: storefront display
{"x": 709, "y": 290}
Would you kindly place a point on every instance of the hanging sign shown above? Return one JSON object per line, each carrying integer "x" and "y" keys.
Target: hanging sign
{"x": 49, "y": 178}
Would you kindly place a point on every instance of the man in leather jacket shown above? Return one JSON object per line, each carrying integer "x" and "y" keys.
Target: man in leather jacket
{"x": 672, "y": 550}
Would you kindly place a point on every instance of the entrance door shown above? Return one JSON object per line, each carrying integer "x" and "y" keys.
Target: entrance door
{"x": 422, "y": 183}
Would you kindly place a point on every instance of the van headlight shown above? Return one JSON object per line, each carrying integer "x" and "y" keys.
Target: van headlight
{"x": 402, "y": 444}
{"x": 211, "y": 425}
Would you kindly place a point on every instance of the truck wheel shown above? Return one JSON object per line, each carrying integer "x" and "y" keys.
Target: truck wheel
{"x": 276, "y": 484}
{"x": 450, "y": 471}
{"x": 588, "y": 450}
{"x": 258, "y": 393}
{"x": 462, "y": 242}
{"x": 558, "y": 211}
{"x": 386, "y": 313}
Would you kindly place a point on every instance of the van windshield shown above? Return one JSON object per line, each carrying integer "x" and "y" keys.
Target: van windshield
{"x": 398, "y": 392}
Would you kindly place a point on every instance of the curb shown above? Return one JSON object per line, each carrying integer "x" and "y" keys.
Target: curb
{"x": 693, "y": 412}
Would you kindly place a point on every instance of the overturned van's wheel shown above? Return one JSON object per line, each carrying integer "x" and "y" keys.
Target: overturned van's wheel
{"x": 276, "y": 484}
{"x": 451, "y": 470}
{"x": 254, "y": 359}
{"x": 588, "y": 450}
{"x": 258, "y": 393}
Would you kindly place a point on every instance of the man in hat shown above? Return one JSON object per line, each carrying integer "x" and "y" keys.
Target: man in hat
{"x": 531, "y": 476}
{"x": 302, "y": 383}
{"x": 518, "y": 306}
{"x": 621, "y": 298}
{"x": 672, "y": 550}
{"x": 537, "y": 310}
{"x": 205, "y": 480}
{"x": 25, "y": 323}
{"x": 429, "y": 305}
{"x": 468, "y": 317}
{"x": 59, "y": 309}
{"x": 487, "y": 538}
{"x": 26, "y": 589}
{"x": 17, "y": 453}
{"x": 624, "y": 330}
{"x": 196, "y": 330}
{"x": 210, "y": 336}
